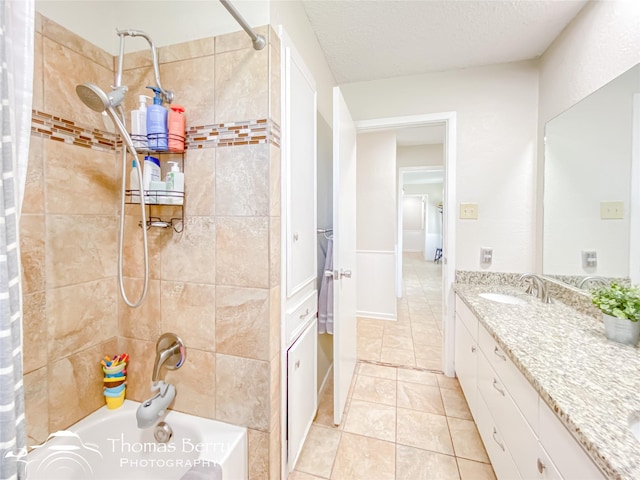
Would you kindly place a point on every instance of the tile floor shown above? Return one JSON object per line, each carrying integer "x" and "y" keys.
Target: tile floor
{"x": 403, "y": 420}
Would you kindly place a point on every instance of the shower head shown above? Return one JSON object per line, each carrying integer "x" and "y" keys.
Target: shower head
{"x": 96, "y": 99}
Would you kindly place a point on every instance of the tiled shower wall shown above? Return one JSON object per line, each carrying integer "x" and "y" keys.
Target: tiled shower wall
{"x": 216, "y": 284}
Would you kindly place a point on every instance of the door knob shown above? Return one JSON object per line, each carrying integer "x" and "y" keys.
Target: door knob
{"x": 345, "y": 273}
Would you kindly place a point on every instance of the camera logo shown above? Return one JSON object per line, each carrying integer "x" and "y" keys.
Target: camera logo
{"x": 62, "y": 456}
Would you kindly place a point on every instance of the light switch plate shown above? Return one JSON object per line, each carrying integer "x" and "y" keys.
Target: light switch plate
{"x": 611, "y": 210}
{"x": 469, "y": 211}
{"x": 486, "y": 255}
{"x": 589, "y": 259}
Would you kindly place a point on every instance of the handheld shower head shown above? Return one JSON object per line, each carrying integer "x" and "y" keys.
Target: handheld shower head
{"x": 97, "y": 100}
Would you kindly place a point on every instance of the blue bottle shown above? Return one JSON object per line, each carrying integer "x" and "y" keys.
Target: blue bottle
{"x": 157, "y": 131}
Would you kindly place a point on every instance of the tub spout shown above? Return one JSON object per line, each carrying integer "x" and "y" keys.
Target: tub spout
{"x": 152, "y": 409}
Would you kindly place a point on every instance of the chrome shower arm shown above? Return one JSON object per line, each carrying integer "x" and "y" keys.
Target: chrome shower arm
{"x": 127, "y": 32}
{"x": 259, "y": 42}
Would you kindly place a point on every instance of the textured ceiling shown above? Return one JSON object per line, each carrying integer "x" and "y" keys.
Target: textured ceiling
{"x": 373, "y": 39}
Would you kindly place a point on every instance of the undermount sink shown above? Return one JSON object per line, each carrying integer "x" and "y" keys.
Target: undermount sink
{"x": 504, "y": 298}
{"x": 634, "y": 425}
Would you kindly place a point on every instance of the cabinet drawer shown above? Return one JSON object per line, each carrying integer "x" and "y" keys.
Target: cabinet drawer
{"x": 299, "y": 315}
{"x": 466, "y": 353}
{"x": 468, "y": 318}
{"x": 494, "y": 443}
{"x": 515, "y": 430}
{"x": 523, "y": 394}
{"x": 571, "y": 460}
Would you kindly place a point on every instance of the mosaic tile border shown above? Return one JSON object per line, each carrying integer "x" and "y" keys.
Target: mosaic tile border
{"x": 251, "y": 132}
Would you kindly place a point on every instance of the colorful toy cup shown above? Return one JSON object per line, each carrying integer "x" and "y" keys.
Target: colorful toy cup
{"x": 111, "y": 382}
{"x": 114, "y": 392}
{"x": 115, "y": 402}
{"x": 112, "y": 370}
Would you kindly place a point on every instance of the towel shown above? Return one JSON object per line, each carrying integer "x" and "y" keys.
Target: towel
{"x": 207, "y": 471}
{"x": 325, "y": 299}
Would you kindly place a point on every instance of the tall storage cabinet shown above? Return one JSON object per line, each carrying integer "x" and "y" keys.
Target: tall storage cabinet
{"x": 299, "y": 240}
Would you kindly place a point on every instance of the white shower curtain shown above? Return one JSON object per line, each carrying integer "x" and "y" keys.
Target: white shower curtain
{"x": 16, "y": 87}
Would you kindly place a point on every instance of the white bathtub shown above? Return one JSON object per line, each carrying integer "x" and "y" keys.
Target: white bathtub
{"x": 108, "y": 445}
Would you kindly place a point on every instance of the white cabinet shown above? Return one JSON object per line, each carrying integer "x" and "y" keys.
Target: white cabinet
{"x": 302, "y": 398}
{"x": 523, "y": 437}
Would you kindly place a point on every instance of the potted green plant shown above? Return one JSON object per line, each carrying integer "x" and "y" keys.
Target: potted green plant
{"x": 620, "y": 306}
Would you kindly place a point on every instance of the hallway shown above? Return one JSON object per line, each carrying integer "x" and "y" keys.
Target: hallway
{"x": 404, "y": 420}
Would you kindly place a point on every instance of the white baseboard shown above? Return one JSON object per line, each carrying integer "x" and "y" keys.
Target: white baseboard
{"x": 376, "y": 315}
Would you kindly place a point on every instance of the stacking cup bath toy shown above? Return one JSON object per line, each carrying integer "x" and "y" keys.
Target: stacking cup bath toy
{"x": 115, "y": 402}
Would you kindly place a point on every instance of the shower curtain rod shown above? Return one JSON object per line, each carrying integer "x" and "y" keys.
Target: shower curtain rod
{"x": 259, "y": 42}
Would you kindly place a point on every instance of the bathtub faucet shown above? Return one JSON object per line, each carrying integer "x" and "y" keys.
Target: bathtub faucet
{"x": 170, "y": 352}
{"x": 151, "y": 410}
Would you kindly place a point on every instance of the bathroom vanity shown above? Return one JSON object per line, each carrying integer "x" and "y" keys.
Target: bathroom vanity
{"x": 551, "y": 396}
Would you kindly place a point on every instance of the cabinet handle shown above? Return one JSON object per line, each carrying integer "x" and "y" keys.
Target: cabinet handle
{"x": 495, "y": 432}
{"x": 499, "y": 354}
{"x": 495, "y": 385}
{"x": 296, "y": 237}
{"x": 297, "y": 364}
{"x": 304, "y": 314}
{"x": 541, "y": 466}
{"x": 473, "y": 349}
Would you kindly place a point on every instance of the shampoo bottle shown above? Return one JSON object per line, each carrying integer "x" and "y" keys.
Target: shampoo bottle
{"x": 157, "y": 123}
{"x": 139, "y": 124}
{"x": 134, "y": 183}
{"x": 177, "y": 125}
{"x": 175, "y": 185}
{"x": 150, "y": 173}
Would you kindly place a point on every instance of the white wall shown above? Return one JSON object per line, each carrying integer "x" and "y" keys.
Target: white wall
{"x": 496, "y": 152}
{"x": 434, "y": 194}
{"x": 376, "y": 224}
{"x": 420, "y": 156}
{"x": 602, "y": 42}
{"x": 413, "y": 208}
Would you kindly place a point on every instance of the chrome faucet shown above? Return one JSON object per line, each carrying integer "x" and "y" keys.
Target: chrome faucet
{"x": 593, "y": 279}
{"x": 171, "y": 353}
{"x": 534, "y": 282}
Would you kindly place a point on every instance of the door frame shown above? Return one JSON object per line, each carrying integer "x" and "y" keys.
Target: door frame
{"x": 449, "y": 217}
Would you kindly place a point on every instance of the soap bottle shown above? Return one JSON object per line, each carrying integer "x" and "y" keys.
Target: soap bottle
{"x": 175, "y": 185}
{"x": 150, "y": 173}
{"x": 139, "y": 124}
{"x": 157, "y": 123}
{"x": 177, "y": 126}
{"x": 134, "y": 183}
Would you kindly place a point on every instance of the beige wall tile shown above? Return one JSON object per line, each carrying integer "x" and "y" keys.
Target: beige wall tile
{"x": 38, "y": 83}
{"x": 274, "y": 321}
{"x": 34, "y": 187}
{"x": 238, "y": 40}
{"x": 137, "y": 79}
{"x": 35, "y": 331}
{"x": 275, "y": 441}
{"x": 60, "y": 96}
{"x": 242, "y": 251}
{"x": 75, "y": 385}
{"x": 133, "y": 248}
{"x": 195, "y": 384}
{"x": 184, "y": 51}
{"x": 190, "y": 81}
{"x": 143, "y": 322}
{"x": 275, "y": 88}
{"x": 189, "y": 311}
{"x": 36, "y": 405}
{"x": 275, "y": 251}
{"x": 274, "y": 392}
{"x": 79, "y": 316}
{"x": 190, "y": 256}
{"x": 32, "y": 252}
{"x": 79, "y": 180}
{"x": 74, "y": 42}
{"x": 142, "y": 354}
{"x": 274, "y": 181}
{"x": 80, "y": 248}
{"x": 242, "y": 391}
{"x": 199, "y": 179}
{"x": 139, "y": 59}
{"x": 258, "y": 454}
{"x": 38, "y": 22}
{"x": 242, "y": 74}
{"x": 242, "y": 322}
{"x": 362, "y": 457}
{"x": 242, "y": 174}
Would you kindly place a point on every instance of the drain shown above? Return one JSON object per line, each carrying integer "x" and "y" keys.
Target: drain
{"x": 163, "y": 432}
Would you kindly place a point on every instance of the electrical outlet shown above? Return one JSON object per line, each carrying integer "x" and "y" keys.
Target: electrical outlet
{"x": 611, "y": 210}
{"x": 469, "y": 211}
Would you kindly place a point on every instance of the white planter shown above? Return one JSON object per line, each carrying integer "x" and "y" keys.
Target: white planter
{"x": 621, "y": 330}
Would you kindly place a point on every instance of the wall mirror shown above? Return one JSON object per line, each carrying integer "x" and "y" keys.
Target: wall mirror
{"x": 591, "y": 186}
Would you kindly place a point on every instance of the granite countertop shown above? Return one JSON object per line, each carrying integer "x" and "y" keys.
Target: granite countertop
{"x": 591, "y": 383}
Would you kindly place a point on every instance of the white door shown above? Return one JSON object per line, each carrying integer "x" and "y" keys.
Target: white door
{"x": 344, "y": 252}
